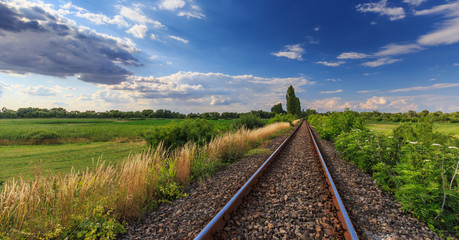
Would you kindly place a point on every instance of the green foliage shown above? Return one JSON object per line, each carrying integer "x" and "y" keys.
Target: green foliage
{"x": 101, "y": 225}
{"x": 202, "y": 167}
{"x": 277, "y": 109}
{"x": 335, "y": 123}
{"x": 169, "y": 189}
{"x": 282, "y": 118}
{"x": 417, "y": 165}
{"x": 178, "y": 133}
{"x": 40, "y": 135}
{"x": 249, "y": 121}
{"x": 293, "y": 103}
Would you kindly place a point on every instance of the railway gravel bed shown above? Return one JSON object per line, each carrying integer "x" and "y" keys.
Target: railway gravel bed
{"x": 290, "y": 201}
{"x": 186, "y": 217}
{"x": 375, "y": 215}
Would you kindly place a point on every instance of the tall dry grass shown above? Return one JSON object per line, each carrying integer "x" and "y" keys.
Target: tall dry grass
{"x": 57, "y": 205}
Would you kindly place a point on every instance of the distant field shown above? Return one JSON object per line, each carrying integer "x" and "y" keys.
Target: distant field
{"x": 386, "y": 127}
{"x": 23, "y": 160}
{"x": 100, "y": 130}
{"x": 85, "y": 142}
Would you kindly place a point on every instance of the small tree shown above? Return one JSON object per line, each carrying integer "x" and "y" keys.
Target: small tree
{"x": 293, "y": 103}
{"x": 277, "y": 109}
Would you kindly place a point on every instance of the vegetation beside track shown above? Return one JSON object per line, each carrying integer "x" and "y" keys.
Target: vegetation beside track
{"x": 96, "y": 203}
{"x": 415, "y": 163}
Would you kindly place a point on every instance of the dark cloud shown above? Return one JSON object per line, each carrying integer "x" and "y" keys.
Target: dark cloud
{"x": 34, "y": 41}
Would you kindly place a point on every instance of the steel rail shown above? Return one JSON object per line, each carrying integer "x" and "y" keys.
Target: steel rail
{"x": 223, "y": 215}
{"x": 342, "y": 213}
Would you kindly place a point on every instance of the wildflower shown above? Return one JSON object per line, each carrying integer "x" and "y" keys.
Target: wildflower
{"x": 391, "y": 137}
{"x": 452, "y": 147}
{"x": 436, "y": 144}
{"x": 387, "y": 148}
{"x": 414, "y": 142}
{"x": 427, "y": 160}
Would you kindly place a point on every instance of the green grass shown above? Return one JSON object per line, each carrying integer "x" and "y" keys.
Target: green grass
{"x": 13, "y": 131}
{"x": 386, "y": 127}
{"x": 85, "y": 142}
{"x": 25, "y": 160}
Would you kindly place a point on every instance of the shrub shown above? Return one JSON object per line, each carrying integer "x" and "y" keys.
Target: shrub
{"x": 248, "y": 121}
{"x": 42, "y": 135}
{"x": 178, "y": 133}
{"x": 282, "y": 118}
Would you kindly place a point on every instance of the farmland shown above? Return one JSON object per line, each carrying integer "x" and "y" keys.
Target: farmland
{"x": 80, "y": 143}
{"x": 387, "y": 127}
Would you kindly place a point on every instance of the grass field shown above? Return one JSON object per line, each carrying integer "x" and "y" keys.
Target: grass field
{"x": 85, "y": 141}
{"x": 386, "y": 127}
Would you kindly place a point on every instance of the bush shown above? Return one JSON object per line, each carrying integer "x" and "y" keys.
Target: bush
{"x": 334, "y": 124}
{"x": 282, "y": 118}
{"x": 43, "y": 135}
{"x": 249, "y": 121}
{"x": 178, "y": 133}
{"x": 417, "y": 165}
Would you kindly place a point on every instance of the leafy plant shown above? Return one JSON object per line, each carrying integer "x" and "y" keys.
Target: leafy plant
{"x": 248, "y": 121}
{"x": 281, "y": 117}
{"x": 176, "y": 134}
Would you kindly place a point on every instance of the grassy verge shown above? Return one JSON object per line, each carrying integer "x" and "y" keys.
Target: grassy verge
{"x": 94, "y": 204}
{"x": 23, "y": 160}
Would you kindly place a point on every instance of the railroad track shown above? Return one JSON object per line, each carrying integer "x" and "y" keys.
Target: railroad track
{"x": 291, "y": 196}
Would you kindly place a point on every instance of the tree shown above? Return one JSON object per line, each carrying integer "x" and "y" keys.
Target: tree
{"x": 293, "y": 103}
{"x": 277, "y": 109}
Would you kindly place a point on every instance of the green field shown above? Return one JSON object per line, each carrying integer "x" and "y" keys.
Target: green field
{"x": 386, "y": 127}
{"x": 84, "y": 142}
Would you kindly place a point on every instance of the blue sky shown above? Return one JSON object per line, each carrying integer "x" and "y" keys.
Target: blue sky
{"x": 230, "y": 55}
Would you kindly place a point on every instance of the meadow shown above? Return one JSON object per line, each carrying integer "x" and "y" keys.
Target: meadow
{"x": 97, "y": 203}
{"x": 77, "y": 143}
{"x": 387, "y": 127}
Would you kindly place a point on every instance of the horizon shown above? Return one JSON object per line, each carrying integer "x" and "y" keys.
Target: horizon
{"x": 192, "y": 56}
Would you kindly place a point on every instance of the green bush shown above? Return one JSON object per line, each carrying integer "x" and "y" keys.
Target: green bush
{"x": 335, "y": 123}
{"x": 417, "y": 165}
{"x": 249, "y": 121}
{"x": 281, "y": 117}
{"x": 178, "y": 133}
{"x": 43, "y": 135}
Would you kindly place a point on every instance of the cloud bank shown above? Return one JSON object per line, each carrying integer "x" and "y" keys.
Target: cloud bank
{"x": 33, "y": 40}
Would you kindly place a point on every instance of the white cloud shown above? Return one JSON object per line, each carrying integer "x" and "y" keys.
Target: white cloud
{"x": 397, "y": 49}
{"x": 330, "y": 104}
{"x": 373, "y": 103}
{"x": 336, "y": 91}
{"x": 435, "y": 86}
{"x": 171, "y": 5}
{"x": 135, "y": 14}
{"x": 153, "y": 37}
{"x": 456, "y": 64}
{"x": 331, "y": 64}
{"x": 352, "y": 55}
{"x": 317, "y": 29}
{"x": 333, "y": 80}
{"x": 189, "y": 15}
{"x": 394, "y": 13}
{"x": 207, "y": 89}
{"x": 448, "y": 31}
{"x": 373, "y": 23}
{"x": 39, "y": 91}
{"x": 414, "y": 2}
{"x": 380, "y": 62}
{"x": 179, "y": 39}
{"x": 138, "y": 31}
{"x": 367, "y": 91}
{"x": 291, "y": 51}
{"x": 97, "y": 18}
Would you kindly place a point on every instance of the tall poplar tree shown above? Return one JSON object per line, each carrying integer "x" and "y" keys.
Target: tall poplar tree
{"x": 293, "y": 103}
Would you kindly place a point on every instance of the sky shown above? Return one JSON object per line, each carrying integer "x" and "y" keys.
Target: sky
{"x": 230, "y": 55}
